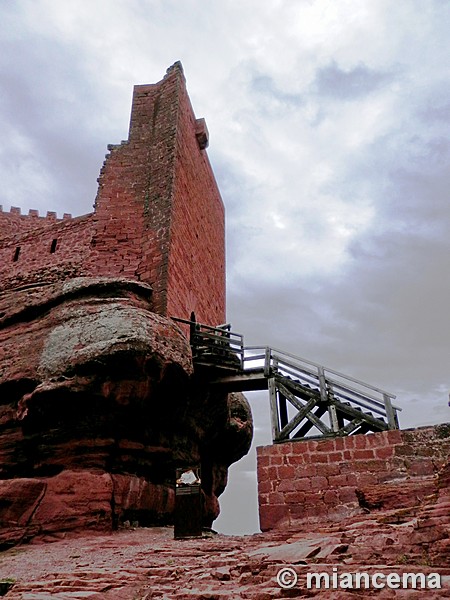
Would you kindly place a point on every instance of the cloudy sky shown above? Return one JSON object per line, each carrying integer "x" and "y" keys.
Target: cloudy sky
{"x": 329, "y": 137}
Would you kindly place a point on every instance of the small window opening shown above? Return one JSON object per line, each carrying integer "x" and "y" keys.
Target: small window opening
{"x": 16, "y": 254}
{"x": 53, "y": 246}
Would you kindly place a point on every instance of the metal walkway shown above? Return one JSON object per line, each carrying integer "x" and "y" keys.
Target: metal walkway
{"x": 306, "y": 399}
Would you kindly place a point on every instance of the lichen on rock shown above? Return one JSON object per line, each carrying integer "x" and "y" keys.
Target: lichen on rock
{"x": 98, "y": 407}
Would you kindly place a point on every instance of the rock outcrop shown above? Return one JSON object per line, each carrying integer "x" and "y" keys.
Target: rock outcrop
{"x": 98, "y": 406}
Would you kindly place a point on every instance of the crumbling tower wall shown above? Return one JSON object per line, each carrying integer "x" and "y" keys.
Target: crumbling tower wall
{"x": 158, "y": 216}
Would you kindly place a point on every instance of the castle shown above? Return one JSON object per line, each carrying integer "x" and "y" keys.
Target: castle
{"x": 99, "y": 402}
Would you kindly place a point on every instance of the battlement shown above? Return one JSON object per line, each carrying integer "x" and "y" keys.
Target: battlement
{"x": 33, "y": 213}
{"x": 14, "y": 224}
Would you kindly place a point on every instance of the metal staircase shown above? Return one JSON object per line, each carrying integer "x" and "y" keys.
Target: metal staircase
{"x": 306, "y": 399}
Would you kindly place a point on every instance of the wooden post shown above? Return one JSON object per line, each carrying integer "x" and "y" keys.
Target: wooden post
{"x": 333, "y": 418}
{"x": 192, "y": 327}
{"x": 273, "y": 408}
{"x": 267, "y": 359}
{"x": 323, "y": 385}
{"x": 390, "y": 413}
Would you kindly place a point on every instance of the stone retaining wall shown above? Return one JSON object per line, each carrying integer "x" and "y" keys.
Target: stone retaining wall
{"x": 332, "y": 479}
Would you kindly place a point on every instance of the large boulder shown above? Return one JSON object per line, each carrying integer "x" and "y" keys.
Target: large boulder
{"x": 98, "y": 407}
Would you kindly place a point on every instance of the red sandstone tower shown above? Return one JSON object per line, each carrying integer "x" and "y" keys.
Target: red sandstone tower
{"x": 99, "y": 402}
{"x": 158, "y": 215}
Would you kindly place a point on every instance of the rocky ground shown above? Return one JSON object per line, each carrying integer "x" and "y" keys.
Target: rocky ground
{"x": 146, "y": 563}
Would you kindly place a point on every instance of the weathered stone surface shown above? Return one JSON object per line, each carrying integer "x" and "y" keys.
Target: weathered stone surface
{"x": 144, "y": 564}
{"x": 98, "y": 406}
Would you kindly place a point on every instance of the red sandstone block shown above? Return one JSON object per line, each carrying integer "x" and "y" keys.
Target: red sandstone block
{"x": 264, "y": 487}
{"x": 375, "y": 440}
{"x": 393, "y": 436}
{"x": 263, "y": 461}
{"x": 306, "y": 470}
{"x": 352, "y": 478}
{"x": 336, "y": 456}
{"x": 298, "y": 511}
{"x": 263, "y": 499}
{"x": 295, "y": 459}
{"x": 327, "y": 469}
{"x": 349, "y": 442}
{"x": 263, "y": 474}
{"x": 302, "y": 484}
{"x": 286, "y": 472}
{"x": 422, "y": 467}
{"x": 404, "y": 450}
{"x": 363, "y": 454}
{"x": 364, "y": 479}
{"x": 273, "y": 516}
{"x": 382, "y": 476}
{"x": 283, "y": 449}
{"x": 368, "y": 466}
{"x": 319, "y": 458}
{"x": 294, "y": 497}
{"x": 310, "y": 445}
{"x": 316, "y": 510}
{"x": 360, "y": 441}
{"x": 325, "y": 446}
{"x": 287, "y": 485}
{"x": 276, "y": 460}
{"x": 273, "y": 473}
{"x": 276, "y": 498}
{"x": 347, "y": 494}
{"x": 319, "y": 483}
{"x": 313, "y": 497}
{"x": 338, "y": 480}
{"x": 347, "y": 466}
{"x": 331, "y": 497}
{"x": 384, "y": 452}
{"x": 339, "y": 443}
{"x": 347, "y": 454}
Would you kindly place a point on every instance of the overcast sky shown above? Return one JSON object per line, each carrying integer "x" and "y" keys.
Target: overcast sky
{"x": 329, "y": 137}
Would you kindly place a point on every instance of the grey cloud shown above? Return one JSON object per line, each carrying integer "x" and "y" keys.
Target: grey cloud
{"x": 338, "y": 84}
{"x": 52, "y": 80}
{"x": 265, "y": 87}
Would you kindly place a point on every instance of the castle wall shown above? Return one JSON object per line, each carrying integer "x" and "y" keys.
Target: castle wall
{"x": 52, "y": 250}
{"x": 197, "y": 229}
{"x": 158, "y": 215}
{"x": 336, "y": 478}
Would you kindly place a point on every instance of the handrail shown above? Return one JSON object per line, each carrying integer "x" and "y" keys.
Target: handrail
{"x": 274, "y": 359}
{"x": 317, "y": 365}
{"x": 329, "y": 383}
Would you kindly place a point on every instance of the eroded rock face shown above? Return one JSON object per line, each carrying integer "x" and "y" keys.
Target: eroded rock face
{"x": 98, "y": 406}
